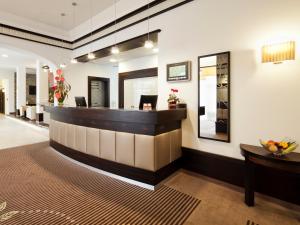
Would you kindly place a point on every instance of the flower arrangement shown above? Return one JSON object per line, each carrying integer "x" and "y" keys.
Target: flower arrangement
{"x": 62, "y": 88}
{"x": 279, "y": 148}
{"x": 173, "y": 100}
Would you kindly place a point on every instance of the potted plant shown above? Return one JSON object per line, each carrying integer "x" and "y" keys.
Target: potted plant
{"x": 173, "y": 100}
{"x": 62, "y": 88}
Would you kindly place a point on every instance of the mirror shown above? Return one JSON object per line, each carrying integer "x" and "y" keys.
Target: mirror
{"x": 214, "y": 97}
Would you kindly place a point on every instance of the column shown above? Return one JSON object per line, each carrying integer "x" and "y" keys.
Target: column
{"x": 21, "y": 86}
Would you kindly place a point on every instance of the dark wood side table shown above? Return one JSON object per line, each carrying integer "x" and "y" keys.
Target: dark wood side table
{"x": 254, "y": 156}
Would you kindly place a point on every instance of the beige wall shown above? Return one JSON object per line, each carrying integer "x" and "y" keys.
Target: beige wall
{"x": 264, "y": 97}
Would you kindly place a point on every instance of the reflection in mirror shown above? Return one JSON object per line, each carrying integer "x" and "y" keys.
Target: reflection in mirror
{"x": 214, "y": 96}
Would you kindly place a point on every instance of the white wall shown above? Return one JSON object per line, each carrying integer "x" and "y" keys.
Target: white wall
{"x": 8, "y": 76}
{"x": 77, "y": 76}
{"x": 264, "y": 97}
{"x": 138, "y": 63}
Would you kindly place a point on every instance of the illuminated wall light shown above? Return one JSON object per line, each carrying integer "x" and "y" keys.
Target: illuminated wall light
{"x": 277, "y": 53}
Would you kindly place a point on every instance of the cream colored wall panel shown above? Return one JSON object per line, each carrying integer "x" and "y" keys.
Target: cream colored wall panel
{"x": 62, "y": 133}
{"x": 162, "y": 150}
{"x": 125, "y": 148}
{"x": 108, "y": 145}
{"x": 80, "y": 138}
{"x": 92, "y": 141}
{"x": 144, "y": 152}
{"x": 176, "y": 142}
{"x": 51, "y": 129}
{"x": 55, "y": 131}
{"x": 71, "y": 134}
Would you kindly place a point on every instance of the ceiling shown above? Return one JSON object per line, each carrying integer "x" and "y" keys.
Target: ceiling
{"x": 16, "y": 58}
{"x": 125, "y": 56}
{"x": 48, "y": 12}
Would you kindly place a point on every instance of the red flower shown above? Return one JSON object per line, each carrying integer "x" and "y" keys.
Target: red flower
{"x": 174, "y": 90}
{"x": 54, "y": 88}
{"x": 57, "y": 78}
{"x": 59, "y": 71}
{"x": 57, "y": 95}
{"x": 62, "y": 79}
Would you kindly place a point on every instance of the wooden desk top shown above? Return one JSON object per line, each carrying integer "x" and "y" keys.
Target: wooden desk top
{"x": 258, "y": 155}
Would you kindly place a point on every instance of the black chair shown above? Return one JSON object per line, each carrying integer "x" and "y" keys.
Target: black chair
{"x": 146, "y": 99}
{"x": 80, "y": 102}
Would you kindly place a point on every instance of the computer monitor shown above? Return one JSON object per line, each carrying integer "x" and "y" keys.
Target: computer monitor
{"x": 80, "y": 101}
{"x": 152, "y": 99}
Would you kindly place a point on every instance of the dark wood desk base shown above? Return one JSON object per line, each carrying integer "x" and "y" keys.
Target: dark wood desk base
{"x": 141, "y": 175}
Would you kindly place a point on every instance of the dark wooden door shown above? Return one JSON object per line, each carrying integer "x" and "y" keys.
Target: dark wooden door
{"x": 2, "y": 102}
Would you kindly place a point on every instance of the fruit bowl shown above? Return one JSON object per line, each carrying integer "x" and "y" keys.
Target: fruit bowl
{"x": 279, "y": 148}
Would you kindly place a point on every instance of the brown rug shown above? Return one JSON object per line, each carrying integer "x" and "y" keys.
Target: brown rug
{"x": 38, "y": 186}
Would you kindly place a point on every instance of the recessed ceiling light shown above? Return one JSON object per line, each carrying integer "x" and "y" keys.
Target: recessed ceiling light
{"x": 113, "y": 60}
{"x": 4, "y": 56}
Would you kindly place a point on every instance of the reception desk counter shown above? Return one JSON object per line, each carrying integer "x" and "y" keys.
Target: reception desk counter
{"x": 141, "y": 145}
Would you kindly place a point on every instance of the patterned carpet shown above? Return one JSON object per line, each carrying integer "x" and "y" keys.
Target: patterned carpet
{"x": 40, "y": 187}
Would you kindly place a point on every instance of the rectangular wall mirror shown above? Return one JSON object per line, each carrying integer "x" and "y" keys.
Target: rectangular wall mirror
{"x": 214, "y": 96}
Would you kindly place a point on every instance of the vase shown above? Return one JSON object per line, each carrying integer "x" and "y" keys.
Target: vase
{"x": 172, "y": 105}
{"x": 60, "y": 104}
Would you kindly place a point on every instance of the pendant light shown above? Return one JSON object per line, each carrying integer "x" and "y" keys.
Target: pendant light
{"x": 115, "y": 50}
{"x": 91, "y": 55}
{"x": 62, "y": 64}
{"x": 74, "y": 4}
{"x": 148, "y": 43}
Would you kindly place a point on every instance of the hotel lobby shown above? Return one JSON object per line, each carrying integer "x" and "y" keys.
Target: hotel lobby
{"x": 126, "y": 112}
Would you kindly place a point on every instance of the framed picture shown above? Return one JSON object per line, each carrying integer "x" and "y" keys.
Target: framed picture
{"x": 179, "y": 71}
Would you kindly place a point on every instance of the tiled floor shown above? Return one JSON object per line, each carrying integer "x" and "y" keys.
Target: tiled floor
{"x": 223, "y": 204}
{"x": 15, "y": 133}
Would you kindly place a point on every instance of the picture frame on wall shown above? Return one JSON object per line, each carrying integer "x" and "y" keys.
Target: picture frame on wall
{"x": 179, "y": 71}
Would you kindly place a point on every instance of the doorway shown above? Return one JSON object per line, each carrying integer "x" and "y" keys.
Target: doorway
{"x": 133, "y": 84}
{"x": 2, "y": 101}
{"x": 98, "y": 92}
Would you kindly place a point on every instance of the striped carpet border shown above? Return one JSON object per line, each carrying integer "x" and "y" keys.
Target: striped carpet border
{"x": 45, "y": 188}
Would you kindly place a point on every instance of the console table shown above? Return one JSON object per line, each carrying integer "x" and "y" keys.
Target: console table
{"x": 257, "y": 156}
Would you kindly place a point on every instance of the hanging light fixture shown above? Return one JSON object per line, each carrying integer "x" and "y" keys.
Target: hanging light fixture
{"x": 91, "y": 55}
{"x": 62, "y": 65}
{"x": 115, "y": 50}
{"x": 148, "y": 43}
{"x": 74, "y": 4}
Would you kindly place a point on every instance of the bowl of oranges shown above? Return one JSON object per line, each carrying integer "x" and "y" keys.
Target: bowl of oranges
{"x": 279, "y": 148}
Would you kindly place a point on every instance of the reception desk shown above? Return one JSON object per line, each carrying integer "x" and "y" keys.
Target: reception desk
{"x": 141, "y": 145}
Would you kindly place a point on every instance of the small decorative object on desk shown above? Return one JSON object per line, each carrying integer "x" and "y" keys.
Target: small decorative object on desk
{"x": 147, "y": 106}
{"x": 173, "y": 100}
{"x": 62, "y": 88}
{"x": 279, "y": 148}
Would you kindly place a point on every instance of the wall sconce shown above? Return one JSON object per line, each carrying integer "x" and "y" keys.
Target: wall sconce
{"x": 277, "y": 53}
